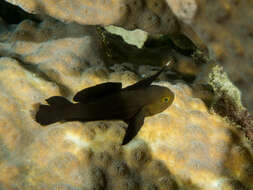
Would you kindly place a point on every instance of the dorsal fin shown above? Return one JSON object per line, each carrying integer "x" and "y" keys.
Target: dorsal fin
{"x": 94, "y": 92}
{"x": 58, "y": 101}
{"x": 145, "y": 82}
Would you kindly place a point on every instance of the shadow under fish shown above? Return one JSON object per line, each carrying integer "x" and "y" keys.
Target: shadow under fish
{"x": 109, "y": 101}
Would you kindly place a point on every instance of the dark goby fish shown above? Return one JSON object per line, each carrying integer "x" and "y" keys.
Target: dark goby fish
{"x": 109, "y": 101}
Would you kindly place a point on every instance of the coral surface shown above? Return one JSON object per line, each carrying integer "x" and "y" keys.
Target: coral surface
{"x": 153, "y": 16}
{"x": 225, "y": 27}
{"x": 185, "y": 10}
{"x": 185, "y": 147}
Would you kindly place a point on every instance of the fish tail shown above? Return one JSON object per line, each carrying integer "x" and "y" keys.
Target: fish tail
{"x": 54, "y": 112}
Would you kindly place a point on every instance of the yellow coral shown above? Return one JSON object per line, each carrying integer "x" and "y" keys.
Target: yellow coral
{"x": 184, "y": 147}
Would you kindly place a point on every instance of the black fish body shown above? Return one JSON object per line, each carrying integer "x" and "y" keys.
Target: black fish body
{"x": 108, "y": 101}
{"x": 118, "y": 106}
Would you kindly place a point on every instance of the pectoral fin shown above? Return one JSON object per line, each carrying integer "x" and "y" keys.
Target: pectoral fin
{"x": 134, "y": 125}
{"x": 94, "y": 92}
{"x": 145, "y": 82}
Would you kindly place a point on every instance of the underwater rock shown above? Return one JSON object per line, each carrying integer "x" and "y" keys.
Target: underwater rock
{"x": 153, "y": 16}
{"x": 226, "y": 29}
{"x": 225, "y": 96}
{"x": 185, "y": 10}
{"x": 184, "y": 147}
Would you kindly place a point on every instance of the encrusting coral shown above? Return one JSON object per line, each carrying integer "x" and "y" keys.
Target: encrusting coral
{"x": 225, "y": 27}
{"x": 153, "y": 16}
{"x": 184, "y": 147}
{"x": 227, "y": 98}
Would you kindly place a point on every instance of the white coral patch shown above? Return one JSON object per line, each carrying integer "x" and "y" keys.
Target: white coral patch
{"x": 76, "y": 139}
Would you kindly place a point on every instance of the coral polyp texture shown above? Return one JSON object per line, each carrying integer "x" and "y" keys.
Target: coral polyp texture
{"x": 184, "y": 147}
{"x": 153, "y": 16}
{"x": 225, "y": 27}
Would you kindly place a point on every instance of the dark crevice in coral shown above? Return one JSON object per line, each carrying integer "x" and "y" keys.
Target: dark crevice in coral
{"x": 174, "y": 75}
{"x": 116, "y": 50}
{"x": 178, "y": 42}
{"x": 155, "y": 52}
{"x": 12, "y": 14}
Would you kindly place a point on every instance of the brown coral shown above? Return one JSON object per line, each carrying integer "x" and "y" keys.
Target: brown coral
{"x": 225, "y": 27}
{"x": 149, "y": 15}
{"x": 185, "y": 147}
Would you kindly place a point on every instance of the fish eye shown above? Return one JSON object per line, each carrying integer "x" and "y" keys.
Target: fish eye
{"x": 166, "y": 99}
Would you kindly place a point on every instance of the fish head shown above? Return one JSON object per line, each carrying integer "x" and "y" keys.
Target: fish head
{"x": 159, "y": 99}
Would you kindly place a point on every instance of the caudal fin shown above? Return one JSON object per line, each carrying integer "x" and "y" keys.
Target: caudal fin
{"x": 54, "y": 112}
